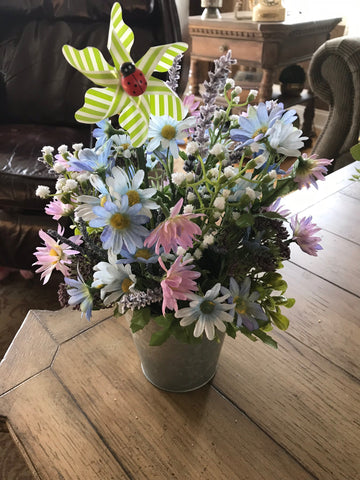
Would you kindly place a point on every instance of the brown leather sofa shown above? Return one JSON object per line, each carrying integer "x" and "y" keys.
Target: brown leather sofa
{"x": 40, "y": 92}
{"x": 334, "y": 76}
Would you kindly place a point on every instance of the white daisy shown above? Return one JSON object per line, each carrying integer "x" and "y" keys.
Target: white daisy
{"x": 209, "y": 312}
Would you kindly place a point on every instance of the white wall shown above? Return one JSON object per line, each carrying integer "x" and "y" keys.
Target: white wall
{"x": 348, "y": 9}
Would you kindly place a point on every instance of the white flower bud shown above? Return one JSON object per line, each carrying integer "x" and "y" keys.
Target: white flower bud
{"x": 209, "y": 239}
{"x": 192, "y": 148}
{"x": 219, "y": 203}
{"x": 273, "y": 174}
{"x": 188, "y": 209}
{"x": 260, "y": 160}
{"x": 47, "y": 150}
{"x": 191, "y": 197}
{"x": 235, "y": 215}
{"x": 62, "y": 149}
{"x": 70, "y": 185}
{"x": 58, "y": 167}
{"x": 226, "y": 193}
{"x": 77, "y": 146}
{"x": 213, "y": 172}
{"x": 83, "y": 177}
{"x": 217, "y": 150}
{"x": 230, "y": 83}
{"x": 253, "y": 93}
{"x": 178, "y": 178}
{"x": 189, "y": 176}
{"x": 236, "y": 100}
{"x": 230, "y": 171}
{"x": 197, "y": 254}
{"x": 42, "y": 191}
{"x": 60, "y": 184}
{"x": 250, "y": 193}
{"x": 180, "y": 251}
{"x": 237, "y": 90}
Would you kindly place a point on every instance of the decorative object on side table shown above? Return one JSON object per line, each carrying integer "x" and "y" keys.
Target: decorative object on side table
{"x": 211, "y": 8}
{"x": 292, "y": 80}
{"x": 187, "y": 252}
{"x": 269, "y": 11}
{"x": 243, "y": 9}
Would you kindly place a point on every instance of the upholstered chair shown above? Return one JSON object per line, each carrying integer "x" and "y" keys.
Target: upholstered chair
{"x": 334, "y": 76}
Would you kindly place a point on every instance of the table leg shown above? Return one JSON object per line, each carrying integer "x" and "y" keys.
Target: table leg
{"x": 194, "y": 79}
{"x": 307, "y": 126}
{"x": 266, "y": 84}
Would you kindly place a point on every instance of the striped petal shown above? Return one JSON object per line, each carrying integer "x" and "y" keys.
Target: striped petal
{"x": 160, "y": 58}
{"x": 135, "y": 119}
{"x": 163, "y": 101}
{"x": 120, "y": 39}
{"x": 101, "y": 103}
{"x": 91, "y": 63}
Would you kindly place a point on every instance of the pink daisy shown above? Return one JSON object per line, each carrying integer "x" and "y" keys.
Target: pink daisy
{"x": 310, "y": 170}
{"x": 177, "y": 230}
{"x": 178, "y": 283}
{"x": 303, "y": 231}
{"x": 58, "y": 209}
{"x": 192, "y": 105}
{"x": 54, "y": 255}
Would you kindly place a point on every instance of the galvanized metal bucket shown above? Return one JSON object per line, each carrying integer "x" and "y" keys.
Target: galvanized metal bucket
{"x": 175, "y": 366}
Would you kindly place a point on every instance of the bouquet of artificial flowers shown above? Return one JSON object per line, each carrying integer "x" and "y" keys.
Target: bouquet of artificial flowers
{"x": 175, "y": 213}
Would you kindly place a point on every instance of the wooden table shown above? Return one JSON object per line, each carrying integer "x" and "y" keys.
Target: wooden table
{"x": 74, "y": 398}
{"x": 261, "y": 45}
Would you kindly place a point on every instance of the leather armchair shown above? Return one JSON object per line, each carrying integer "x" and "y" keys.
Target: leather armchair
{"x": 334, "y": 76}
{"x": 40, "y": 92}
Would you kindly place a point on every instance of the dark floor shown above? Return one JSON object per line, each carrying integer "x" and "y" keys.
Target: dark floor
{"x": 17, "y": 297}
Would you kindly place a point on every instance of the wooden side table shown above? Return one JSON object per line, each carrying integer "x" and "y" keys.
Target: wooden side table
{"x": 262, "y": 45}
{"x": 268, "y": 46}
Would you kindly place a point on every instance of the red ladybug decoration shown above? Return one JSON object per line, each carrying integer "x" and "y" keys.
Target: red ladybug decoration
{"x": 133, "y": 80}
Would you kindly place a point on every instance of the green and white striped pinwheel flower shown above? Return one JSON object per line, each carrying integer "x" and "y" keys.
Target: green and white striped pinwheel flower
{"x": 111, "y": 99}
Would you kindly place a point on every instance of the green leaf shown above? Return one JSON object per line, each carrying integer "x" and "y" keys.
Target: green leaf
{"x": 158, "y": 338}
{"x": 273, "y": 215}
{"x": 280, "y": 320}
{"x": 231, "y": 329}
{"x": 355, "y": 151}
{"x": 164, "y": 321}
{"x": 264, "y": 337}
{"x": 245, "y": 220}
{"x": 182, "y": 155}
{"x": 140, "y": 319}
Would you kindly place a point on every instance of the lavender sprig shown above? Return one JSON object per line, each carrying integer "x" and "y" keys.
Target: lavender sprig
{"x": 173, "y": 73}
{"x": 213, "y": 88}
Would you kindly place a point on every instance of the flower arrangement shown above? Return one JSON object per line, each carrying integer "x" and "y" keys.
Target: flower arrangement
{"x": 175, "y": 214}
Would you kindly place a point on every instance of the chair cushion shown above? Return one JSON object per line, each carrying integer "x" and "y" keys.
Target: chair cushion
{"x": 20, "y": 175}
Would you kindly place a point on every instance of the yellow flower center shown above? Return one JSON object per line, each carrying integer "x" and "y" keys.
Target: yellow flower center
{"x": 258, "y": 131}
{"x": 143, "y": 253}
{"x": 102, "y": 201}
{"x": 126, "y": 284}
{"x": 168, "y": 132}
{"x": 207, "y": 306}
{"x": 240, "y": 305}
{"x": 119, "y": 221}
{"x": 125, "y": 146}
{"x": 54, "y": 253}
{"x": 133, "y": 197}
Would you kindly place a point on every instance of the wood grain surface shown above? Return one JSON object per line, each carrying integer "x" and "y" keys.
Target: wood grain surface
{"x": 73, "y": 396}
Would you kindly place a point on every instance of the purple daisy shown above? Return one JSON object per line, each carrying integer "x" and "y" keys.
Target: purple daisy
{"x": 303, "y": 235}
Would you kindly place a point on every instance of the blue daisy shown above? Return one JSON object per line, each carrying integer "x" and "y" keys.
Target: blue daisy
{"x": 80, "y": 294}
{"x": 91, "y": 161}
{"x": 254, "y": 125}
{"x": 248, "y": 311}
{"x": 122, "y": 225}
